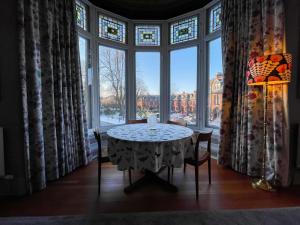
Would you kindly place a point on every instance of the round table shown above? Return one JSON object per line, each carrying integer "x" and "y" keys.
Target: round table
{"x": 149, "y": 147}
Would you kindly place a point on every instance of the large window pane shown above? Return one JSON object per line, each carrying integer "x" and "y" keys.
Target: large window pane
{"x": 184, "y": 84}
{"x": 147, "y": 84}
{"x": 112, "y": 86}
{"x": 215, "y": 83}
{"x": 83, "y": 54}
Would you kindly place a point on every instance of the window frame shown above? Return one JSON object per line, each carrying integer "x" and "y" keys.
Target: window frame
{"x": 209, "y": 36}
{"x": 165, "y": 48}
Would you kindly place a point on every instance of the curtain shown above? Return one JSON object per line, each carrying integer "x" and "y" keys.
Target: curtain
{"x": 55, "y": 131}
{"x": 252, "y": 28}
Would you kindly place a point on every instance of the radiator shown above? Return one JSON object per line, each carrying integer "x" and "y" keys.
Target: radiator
{"x": 2, "y": 165}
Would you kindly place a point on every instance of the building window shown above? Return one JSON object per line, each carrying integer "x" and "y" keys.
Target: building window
{"x": 112, "y": 86}
{"x": 183, "y": 76}
{"x": 147, "y": 35}
{"x": 215, "y": 18}
{"x": 184, "y": 30}
{"x": 112, "y": 29}
{"x": 81, "y": 15}
{"x": 147, "y": 84}
{"x": 215, "y": 89}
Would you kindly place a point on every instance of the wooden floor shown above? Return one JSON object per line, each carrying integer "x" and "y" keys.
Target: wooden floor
{"x": 77, "y": 194}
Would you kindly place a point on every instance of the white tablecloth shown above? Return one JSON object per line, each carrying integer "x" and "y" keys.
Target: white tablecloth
{"x": 146, "y": 146}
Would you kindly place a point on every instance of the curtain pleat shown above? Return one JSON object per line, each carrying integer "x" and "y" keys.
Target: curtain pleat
{"x": 55, "y": 131}
{"x": 252, "y": 28}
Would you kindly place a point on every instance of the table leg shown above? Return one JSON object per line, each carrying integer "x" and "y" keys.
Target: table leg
{"x": 150, "y": 177}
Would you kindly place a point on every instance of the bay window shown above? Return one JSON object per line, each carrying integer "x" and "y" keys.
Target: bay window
{"x": 171, "y": 69}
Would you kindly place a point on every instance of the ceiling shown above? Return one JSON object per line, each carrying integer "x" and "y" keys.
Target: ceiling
{"x": 150, "y": 9}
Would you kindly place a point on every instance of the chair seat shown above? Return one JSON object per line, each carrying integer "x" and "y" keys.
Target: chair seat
{"x": 202, "y": 158}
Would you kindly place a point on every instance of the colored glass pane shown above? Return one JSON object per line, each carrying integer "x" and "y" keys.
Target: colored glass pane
{"x": 147, "y": 35}
{"x": 81, "y": 15}
{"x": 112, "y": 29}
{"x": 215, "y": 18}
{"x": 184, "y": 30}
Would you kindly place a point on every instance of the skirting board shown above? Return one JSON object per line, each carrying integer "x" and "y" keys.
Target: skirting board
{"x": 13, "y": 187}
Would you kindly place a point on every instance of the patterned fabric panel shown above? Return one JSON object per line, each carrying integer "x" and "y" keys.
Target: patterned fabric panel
{"x": 150, "y": 132}
{"x": 55, "y": 131}
{"x": 251, "y": 30}
{"x": 149, "y": 146}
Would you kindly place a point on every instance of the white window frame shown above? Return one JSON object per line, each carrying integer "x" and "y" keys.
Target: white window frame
{"x": 92, "y": 34}
{"x": 208, "y": 37}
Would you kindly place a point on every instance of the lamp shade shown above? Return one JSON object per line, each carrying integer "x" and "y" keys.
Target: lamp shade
{"x": 271, "y": 69}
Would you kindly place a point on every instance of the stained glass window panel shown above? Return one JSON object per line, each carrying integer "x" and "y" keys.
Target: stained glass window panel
{"x": 215, "y": 18}
{"x": 81, "y": 15}
{"x": 112, "y": 29}
{"x": 184, "y": 30}
{"x": 147, "y": 35}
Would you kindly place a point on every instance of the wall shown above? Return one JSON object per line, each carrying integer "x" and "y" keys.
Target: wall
{"x": 10, "y": 101}
{"x": 293, "y": 47}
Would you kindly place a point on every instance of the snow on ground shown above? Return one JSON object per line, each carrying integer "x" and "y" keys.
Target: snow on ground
{"x": 106, "y": 120}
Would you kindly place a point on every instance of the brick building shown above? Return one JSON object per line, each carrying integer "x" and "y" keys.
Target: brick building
{"x": 215, "y": 97}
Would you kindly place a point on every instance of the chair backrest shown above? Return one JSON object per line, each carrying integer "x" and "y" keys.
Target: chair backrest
{"x": 137, "y": 121}
{"x": 178, "y": 122}
{"x": 203, "y": 137}
{"x": 97, "y": 135}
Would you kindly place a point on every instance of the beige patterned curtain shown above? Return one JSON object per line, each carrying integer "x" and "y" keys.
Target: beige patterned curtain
{"x": 252, "y": 28}
{"x": 55, "y": 131}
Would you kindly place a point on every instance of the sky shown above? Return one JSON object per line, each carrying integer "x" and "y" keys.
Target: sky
{"x": 183, "y": 70}
{"x": 183, "y": 67}
{"x": 148, "y": 70}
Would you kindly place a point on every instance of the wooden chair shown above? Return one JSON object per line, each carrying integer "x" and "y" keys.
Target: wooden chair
{"x": 137, "y": 121}
{"x": 200, "y": 159}
{"x": 97, "y": 135}
{"x": 178, "y": 122}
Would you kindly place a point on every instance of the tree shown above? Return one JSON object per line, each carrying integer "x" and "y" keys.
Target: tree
{"x": 112, "y": 72}
{"x": 112, "y": 75}
{"x": 141, "y": 88}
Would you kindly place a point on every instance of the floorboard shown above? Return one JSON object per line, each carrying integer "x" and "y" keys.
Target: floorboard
{"x": 77, "y": 194}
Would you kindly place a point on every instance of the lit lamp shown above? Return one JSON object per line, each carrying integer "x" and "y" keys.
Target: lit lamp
{"x": 266, "y": 70}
